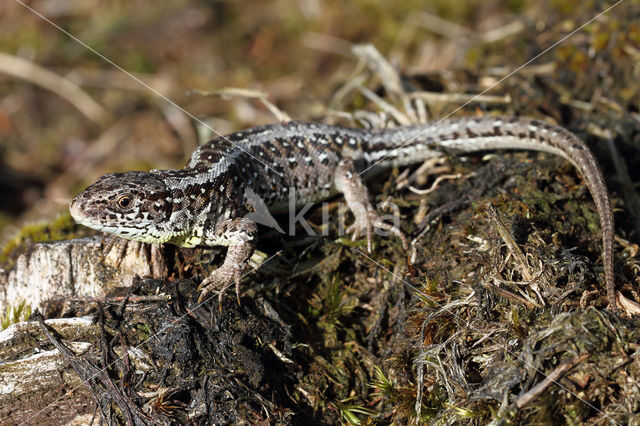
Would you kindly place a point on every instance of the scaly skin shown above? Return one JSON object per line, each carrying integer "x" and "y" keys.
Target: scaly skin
{"x": 210, "y": 201}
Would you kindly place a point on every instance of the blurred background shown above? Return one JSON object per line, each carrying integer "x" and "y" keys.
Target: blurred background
{"x": 67, "y": 116}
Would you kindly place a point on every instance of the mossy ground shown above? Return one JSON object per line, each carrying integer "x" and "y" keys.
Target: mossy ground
{"x": 61, "y": 228}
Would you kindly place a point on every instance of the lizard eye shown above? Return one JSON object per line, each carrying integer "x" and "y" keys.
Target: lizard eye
{"x": 125, "y": 201}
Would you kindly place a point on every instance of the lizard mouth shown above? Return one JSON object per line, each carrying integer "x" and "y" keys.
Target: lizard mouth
{"x": 74, "y": 210}
{"x": 81, "y": 218}
{"x": 77, "y": 214}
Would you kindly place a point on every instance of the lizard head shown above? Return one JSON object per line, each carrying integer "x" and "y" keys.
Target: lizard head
{"x": 132, "y": 205}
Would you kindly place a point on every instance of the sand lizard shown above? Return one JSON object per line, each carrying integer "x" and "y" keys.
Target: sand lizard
{"x": 209, "y": 202}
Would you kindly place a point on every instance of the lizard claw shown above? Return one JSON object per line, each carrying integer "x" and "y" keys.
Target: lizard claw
{"x": 364, "y": 224}
{"x": 223, "y": 278}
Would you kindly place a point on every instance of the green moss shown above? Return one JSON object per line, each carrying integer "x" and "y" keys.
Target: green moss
{"x": 15, "y": 314}
{"x": 350, "y": 412}
{"x": 61, "y": 228}
{"x": 145, "y": 330}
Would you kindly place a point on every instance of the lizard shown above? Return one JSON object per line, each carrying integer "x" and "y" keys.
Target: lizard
{"x": 210, "y": 201}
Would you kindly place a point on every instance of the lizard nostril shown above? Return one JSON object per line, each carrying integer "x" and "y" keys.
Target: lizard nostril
{"x": 74, "y": 208}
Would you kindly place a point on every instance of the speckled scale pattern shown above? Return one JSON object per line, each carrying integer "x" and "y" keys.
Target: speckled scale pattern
{"x": 204, "y": 203}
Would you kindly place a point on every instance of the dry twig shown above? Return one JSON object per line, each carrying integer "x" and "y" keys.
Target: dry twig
{"x": 549, "y": 380}
{"x": 25, "y": 70}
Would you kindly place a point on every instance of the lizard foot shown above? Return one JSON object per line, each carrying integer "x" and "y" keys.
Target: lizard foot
{"x": 222, "y": 278}
{"x": 241, "y": 235}
{"x": 365, "y": 224}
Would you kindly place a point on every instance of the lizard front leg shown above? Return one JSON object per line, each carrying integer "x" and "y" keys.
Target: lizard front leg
{"x": 348, "y": 182}
{"x": 240, "y": 236}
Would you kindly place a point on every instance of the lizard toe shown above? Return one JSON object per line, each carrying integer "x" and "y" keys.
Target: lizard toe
{"x": 364, "y": 225}
{"x": 221, "y": 278}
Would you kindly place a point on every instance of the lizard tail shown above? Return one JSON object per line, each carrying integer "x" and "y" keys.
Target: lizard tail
{"x": 412, "y": 144}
